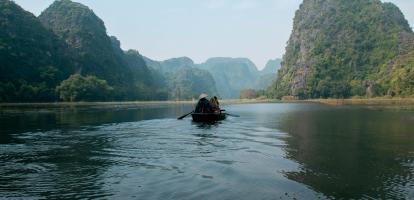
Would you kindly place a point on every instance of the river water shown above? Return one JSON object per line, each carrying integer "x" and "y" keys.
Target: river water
{"x": 273, "y": 151}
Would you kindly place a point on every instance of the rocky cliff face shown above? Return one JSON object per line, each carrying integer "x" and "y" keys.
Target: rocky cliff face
{"x": 337, "y": 48}
{"x": 81, "y": 29}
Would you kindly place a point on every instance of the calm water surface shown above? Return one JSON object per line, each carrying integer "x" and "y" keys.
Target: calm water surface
{"x": 273, "y": 151}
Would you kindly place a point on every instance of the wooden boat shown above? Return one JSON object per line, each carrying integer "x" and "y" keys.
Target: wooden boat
{"x": 208, "y": 117}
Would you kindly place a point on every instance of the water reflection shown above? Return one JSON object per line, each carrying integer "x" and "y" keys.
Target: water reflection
{"x": 142, "y": 152}
{"x": 64, "y": 169}
{"x": 63, "y": 150}
{"x": 352, "y": 152}
{"x": 18, "y": 120}
{"x": 206, "y": 125}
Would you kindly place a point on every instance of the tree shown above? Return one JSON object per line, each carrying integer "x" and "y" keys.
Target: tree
{"x": 80, "y": 88}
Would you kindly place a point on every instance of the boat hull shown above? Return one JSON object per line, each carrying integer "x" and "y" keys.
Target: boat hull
{"x": 208, "y": 117}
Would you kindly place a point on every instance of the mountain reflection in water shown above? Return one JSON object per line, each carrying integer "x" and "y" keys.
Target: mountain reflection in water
{"x": 142, "y": 152}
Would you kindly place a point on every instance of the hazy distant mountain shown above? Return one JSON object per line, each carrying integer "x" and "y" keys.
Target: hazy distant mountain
{"x": 231, "y": 75}
{"x": 344, "y": 48}
{"x": 268, "y": 74}
{"x": 272, "y": 66}
{"x": 264, "y": 81}
{"x": 171, "y": 65}
{"x": 181, "y": 79}
{"x": 150, "y": 83}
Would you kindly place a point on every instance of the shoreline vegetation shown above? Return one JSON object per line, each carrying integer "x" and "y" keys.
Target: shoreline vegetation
{"x": 365, "y": 101}
{"x": 380, "y": 101}
{"x": 69, "y": 104}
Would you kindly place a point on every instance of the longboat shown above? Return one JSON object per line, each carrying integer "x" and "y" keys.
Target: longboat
{"x": 208, "y": 117}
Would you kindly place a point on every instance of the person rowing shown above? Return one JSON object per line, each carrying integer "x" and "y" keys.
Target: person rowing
{"x": 215, "y": 105}
{"x": 207, "y": 111}
{"x": 203, "y": 105}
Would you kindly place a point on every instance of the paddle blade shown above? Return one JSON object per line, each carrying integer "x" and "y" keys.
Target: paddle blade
{"x": 182, "y": 117}
{"x": 233, "y": 115}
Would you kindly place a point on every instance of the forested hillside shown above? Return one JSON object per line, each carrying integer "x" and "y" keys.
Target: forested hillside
{"x": 346, "y": 48}
{"x": 97, "y": 53}
{"x": 66, "y": 54}
{"x": 33, "y": 60}
{"x": 397, "y": 77}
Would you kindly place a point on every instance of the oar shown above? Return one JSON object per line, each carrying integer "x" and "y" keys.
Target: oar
{"x": 233, "y": 115}
{"x": 182, "y": 117}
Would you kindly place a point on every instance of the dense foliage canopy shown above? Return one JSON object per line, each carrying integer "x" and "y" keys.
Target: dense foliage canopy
{"x": 33, "y": 60}
{"x": 80, "y": 88}
{"x": 337, "y": 49}
{"x": 397, "y": 77}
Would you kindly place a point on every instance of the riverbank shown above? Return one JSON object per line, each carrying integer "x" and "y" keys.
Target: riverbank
{"x": 132, "y": 103}
{"x": 370, "y": 101}
{"x": 334, "y": 102}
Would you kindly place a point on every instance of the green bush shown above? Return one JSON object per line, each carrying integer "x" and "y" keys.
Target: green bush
{"x": 80, "y": 88}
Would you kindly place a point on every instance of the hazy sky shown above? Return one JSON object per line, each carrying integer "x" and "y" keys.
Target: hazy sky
{"x": 199, "y": 29}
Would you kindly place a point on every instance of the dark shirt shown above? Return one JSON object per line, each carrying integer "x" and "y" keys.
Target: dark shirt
{"x": 203, "y": 106}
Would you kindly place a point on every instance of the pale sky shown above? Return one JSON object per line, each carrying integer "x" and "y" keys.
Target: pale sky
{"x": 200, "y": 29}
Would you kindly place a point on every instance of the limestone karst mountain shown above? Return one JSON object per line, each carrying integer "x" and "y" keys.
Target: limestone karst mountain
{"x": 340, "y": 49}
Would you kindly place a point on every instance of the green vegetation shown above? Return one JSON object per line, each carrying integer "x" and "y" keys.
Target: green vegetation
{"x": 37, "y": 54}
{"x": 33, "y": 60}
{"x": 79, "y": 88}
{"x": 97, "y": 53}
{"x": 400, "y": 81}
{"x": 337, "y": 50}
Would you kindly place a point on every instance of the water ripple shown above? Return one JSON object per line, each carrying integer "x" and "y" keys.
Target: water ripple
{"x": 257, "y": 156}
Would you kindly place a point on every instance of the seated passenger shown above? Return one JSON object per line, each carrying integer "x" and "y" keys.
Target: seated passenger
{"x": 215, "y": 105}
{"x": 203, "y": 105}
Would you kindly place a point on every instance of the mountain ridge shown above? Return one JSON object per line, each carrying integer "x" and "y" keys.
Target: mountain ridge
{"x": 99, "y": 54}
{"x": 182, "y": 80}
